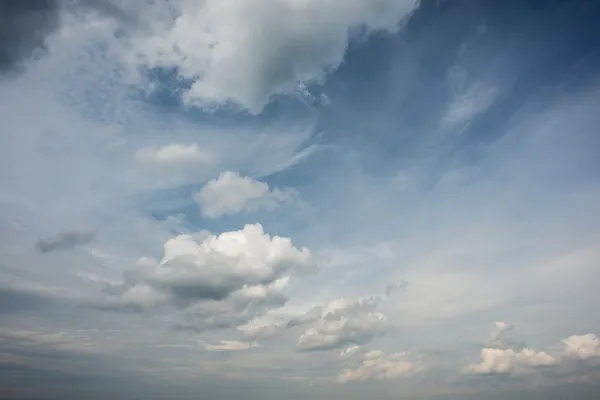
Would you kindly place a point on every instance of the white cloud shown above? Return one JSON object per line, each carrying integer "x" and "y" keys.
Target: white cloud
{"x": 227, "y": 262}
{"x": 378, "y": 365}
{"x": 231, "y": 193}
{"x": 349, "y": 351}
{"x": 499, "y": 337}
{"x": 344, "y": 322}
{"x": 582, "y": 347}
{"x": 256, "y": 330}
{"x": 221, "y": 280}
{"x": 229, "y": 345}
{"x": 248, "y": 51}
{"x": 173, "y": 154}
{"x": 501, "y": 361}
{"x": 468, "y": 104}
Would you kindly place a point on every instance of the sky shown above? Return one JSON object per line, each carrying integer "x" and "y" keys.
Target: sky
{"x": 326, "y": 199}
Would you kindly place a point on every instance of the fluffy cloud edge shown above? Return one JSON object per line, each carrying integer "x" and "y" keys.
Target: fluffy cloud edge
{"x": 232, "y": 193}
{"x": 255, "y": 62}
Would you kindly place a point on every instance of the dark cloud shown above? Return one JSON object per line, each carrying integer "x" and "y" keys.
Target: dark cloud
{"x": 12, "y": 301}
{"x": 64, "y": 241}
{"x": 24, "y": 25}
{"x": 109, "y": 9}
{"x": 395, "y": 287}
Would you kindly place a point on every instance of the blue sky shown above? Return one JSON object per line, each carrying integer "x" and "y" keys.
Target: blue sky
{"x": 326, "y": 199}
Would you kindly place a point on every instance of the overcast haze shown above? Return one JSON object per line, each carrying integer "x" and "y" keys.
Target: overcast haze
{"x": 324, "y": 199}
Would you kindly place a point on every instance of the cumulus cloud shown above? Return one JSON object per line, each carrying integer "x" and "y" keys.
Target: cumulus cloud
{"x": 582, "y": 347}
{"x": 231, "y": 193}
{"x": 344, "y": 322}
{"x": 237, "y": 309}
{"x": 222, "y": 264}
{"x": 380, "y": 366}
{"x": 503, "y": 355}
{"x": 64, "y": 241}
{"x": 245, "y": 52}
{"x": 221, "y": 280}
{"x": 173, "y": 154}
{"x": 500, "y": 361}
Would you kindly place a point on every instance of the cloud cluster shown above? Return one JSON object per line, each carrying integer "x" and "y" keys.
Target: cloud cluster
{"x": 221, "y": 280}
{"x": 499, "y": 358}
{"x": 500, "y": 361}
{"x": 378, "y": 365}
{"x": 582, "y": 347}
{"x": 341, "y": 323}
{"x": 232, "y": 193}
{"x": 246, "y": 52}
{"x": 64, "y": 241}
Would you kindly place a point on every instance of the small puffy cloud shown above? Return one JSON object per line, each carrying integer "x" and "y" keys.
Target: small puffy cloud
{"x": 173, "y": 154}
{"x": 395, "y": 287}
{"x": 276, "y": 47}
{"x": 232, "y": 193}
{"x": 380, "y": 366}
{"x": 508, "y": 361}
{"x": 350, "y": 351}
{"x": 500, "y": 337}
{"x": 221, "y": 280}
{"x": 229, "y": 345}
{"x": 257, "y": 330}
{"x": 582, "y": 347}
{"x": 342, "y": 323}
{"x": 64, "y": 241}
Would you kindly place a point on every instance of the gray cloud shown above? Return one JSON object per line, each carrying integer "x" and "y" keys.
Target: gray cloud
{"x": 64, "y": 241}
{"x": 218, "y": 281}
{"x": 23, "y": 28}
{"x": 13, "y": 301}
{"x": 342, "y": 323}
{"x": 395, "y": 287}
